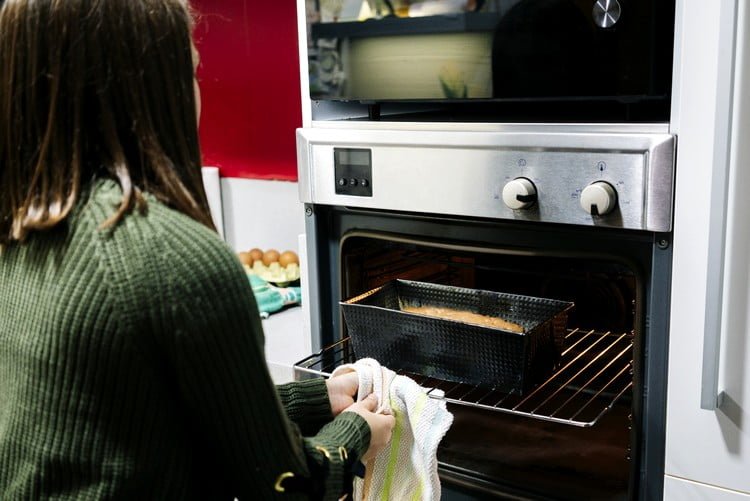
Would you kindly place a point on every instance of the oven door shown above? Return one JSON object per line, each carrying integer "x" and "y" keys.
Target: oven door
{"x": 545, "y": 59}
{"x": 592, "y": 430}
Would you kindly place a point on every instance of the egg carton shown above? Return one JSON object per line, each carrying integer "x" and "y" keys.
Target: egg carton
{"x": 275, "y": 273}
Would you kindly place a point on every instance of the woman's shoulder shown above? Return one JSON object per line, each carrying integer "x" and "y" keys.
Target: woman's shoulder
{"x": 166, "y": 270}
{"x": 157, "y": 239}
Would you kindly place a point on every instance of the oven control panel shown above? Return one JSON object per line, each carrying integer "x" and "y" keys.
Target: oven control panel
{"x": 353, "y": 171}
{"x": 592, "y": 178}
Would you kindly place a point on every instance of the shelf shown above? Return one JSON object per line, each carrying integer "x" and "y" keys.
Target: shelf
{"x": 392, "y": 26}
{"x": 594, "y": 372}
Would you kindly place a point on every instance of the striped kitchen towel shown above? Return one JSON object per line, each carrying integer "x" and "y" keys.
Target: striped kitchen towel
{"x": 407, "y": 468}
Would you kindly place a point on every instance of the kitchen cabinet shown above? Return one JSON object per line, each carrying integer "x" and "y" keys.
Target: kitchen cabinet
{"x": 249, "y": 78}
{"x": 711, "y": 118}
{"x": 685, "y": 490}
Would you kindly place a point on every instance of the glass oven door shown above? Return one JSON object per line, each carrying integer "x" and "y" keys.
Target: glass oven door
{"x": 511, "y": 60}
{"x": 581, "y": 433}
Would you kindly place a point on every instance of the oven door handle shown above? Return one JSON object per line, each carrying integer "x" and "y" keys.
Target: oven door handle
{"x": 711, "y": 397}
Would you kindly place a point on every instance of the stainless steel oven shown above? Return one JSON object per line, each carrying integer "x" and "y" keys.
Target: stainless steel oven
{"x": 580, "y": 213}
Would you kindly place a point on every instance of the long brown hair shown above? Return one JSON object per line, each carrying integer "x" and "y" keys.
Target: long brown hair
{"x": 95, "y": 88}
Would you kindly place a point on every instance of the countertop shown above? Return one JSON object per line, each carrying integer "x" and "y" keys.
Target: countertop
{"x": 285, "y": 343}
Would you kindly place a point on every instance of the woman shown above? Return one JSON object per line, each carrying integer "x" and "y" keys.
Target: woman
{"x": 131, "y": 351}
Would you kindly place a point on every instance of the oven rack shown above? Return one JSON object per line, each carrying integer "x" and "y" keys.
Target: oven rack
{"x": 595, "y": 370}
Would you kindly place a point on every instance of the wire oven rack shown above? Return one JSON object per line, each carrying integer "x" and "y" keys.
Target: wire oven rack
{"x": 595, "y": 370}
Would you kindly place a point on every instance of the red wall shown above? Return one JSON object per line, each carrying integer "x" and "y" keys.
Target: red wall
{"x": 249, "y": 78}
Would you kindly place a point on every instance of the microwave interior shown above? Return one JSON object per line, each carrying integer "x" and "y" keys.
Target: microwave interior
{"x": 508, "y": 60}
{"x": 583, "y": 434}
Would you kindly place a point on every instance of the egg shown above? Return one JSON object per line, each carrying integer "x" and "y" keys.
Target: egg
{"x": 256, "y": 254}
{"x": 270, "y": 256}
{"x": 288, "y": 257}
{"x": 246, "y": 258}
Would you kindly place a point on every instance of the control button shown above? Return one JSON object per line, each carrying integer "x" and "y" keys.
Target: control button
{"x": 606, "y": 13}
{"x": 364, "y": 182}
{"x": 519, "y": 194}
{"x": 599, "y": 198}
{"x": 353, "y": 182}
{"x": 343, "y": 181}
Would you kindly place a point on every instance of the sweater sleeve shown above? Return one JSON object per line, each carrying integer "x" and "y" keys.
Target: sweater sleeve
{"x": 306, "y": 403}
{"x": 199, "y": 308}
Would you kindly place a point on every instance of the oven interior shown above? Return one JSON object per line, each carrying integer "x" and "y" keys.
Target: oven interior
{"x": 604, "y": 291}
{"x": 586, "y": 457}
{"x": 576, "y": 434}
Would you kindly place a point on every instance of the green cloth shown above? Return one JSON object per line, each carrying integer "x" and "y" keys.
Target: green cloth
{"x": 271, "y": 299}
{"x": 132, "y": 367}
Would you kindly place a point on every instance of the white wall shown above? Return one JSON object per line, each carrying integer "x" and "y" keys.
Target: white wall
{"x": 212, "y": 185}
{"x": 262, "y": 214}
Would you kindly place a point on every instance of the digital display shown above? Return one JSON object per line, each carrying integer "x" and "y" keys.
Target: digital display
{"x": 347, "y": 156}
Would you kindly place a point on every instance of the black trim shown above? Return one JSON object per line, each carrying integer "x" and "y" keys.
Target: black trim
{"x": 397, "y": 26}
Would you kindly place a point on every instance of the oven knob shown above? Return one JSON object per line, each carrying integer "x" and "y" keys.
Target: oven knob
{"x": 606, "y": 13}
{"x": 598, "y": 198}
{"x": 519, "y": 193}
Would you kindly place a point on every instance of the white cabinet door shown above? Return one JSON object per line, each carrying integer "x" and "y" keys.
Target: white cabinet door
{"x": 710, "y": 446}
{"x": 678, "y": 489}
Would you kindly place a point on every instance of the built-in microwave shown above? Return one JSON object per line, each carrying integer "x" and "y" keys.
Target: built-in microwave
{"x": 501, "y": 60}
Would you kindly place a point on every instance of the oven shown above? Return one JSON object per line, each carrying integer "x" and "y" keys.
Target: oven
{"x": 513, "y": 146}
{"x": 494, "y": 60}
{"x": 579, "y": 213}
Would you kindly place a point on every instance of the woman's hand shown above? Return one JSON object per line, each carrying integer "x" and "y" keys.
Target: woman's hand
{"x": 342, "y": 390}
{"x": 381, "y": 425}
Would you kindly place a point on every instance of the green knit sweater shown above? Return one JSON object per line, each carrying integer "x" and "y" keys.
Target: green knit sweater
{"x": 132, "y": 367}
